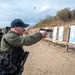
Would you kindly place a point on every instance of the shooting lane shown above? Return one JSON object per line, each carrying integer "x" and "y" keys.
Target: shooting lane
{"x": 58, "y": 36}
{"x": 61, "y": 37}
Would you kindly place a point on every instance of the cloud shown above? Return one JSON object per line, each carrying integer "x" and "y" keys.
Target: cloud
{"x": 43, "y": 8}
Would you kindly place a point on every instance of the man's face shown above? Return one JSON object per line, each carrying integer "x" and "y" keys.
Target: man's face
{"x": 20, "y": 30}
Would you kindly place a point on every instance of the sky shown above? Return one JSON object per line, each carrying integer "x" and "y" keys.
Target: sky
{"x": 31, "y": 11}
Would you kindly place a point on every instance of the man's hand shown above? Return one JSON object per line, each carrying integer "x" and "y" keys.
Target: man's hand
{"x": 44, "y": 33}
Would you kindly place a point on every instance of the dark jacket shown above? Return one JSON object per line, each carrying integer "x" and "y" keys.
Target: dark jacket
{"x": 16, "y": 40}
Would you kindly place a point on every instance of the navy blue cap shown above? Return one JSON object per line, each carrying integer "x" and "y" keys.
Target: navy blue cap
{"x": 18, "y": 23}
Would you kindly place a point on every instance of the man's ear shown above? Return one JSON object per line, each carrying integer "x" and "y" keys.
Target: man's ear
{"x": 15, "y": 28}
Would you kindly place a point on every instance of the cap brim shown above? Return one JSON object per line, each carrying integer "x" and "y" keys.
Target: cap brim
{"x": 25, "y": 25}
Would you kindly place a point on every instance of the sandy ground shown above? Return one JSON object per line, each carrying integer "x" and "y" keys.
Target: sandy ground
{"x": 46, "y": 59}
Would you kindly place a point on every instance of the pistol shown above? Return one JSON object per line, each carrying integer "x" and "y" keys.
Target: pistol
{"x": 48, "y": 30}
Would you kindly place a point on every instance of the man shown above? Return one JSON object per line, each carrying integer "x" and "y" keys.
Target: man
{"x": 12, "y": 43}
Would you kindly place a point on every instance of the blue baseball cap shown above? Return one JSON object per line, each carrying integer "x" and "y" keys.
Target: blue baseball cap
{"x": 18, "y": 23}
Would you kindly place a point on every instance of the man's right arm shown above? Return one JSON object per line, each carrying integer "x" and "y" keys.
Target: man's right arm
{"x": 27, "y": 40}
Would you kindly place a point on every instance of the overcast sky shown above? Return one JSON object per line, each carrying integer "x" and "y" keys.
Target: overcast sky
{"x": 30, "y": 11}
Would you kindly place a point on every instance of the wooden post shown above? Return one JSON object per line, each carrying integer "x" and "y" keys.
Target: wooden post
{"x": 68, "y": 36}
